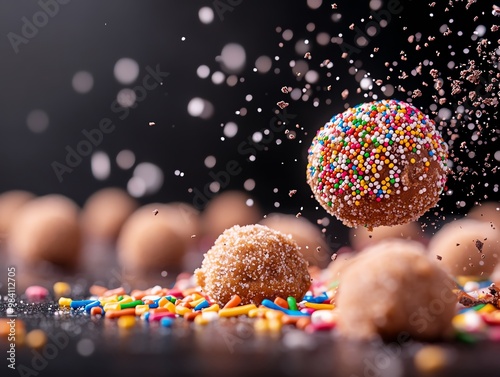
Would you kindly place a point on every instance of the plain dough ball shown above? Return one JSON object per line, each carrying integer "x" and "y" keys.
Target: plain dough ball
{"x": 10, "y": 203}
{"x": 225, "y": 210}
{"x": 150, "y": 243}
{"x": 361, "y": 237}
{"x": 307, "y": 235}
{"x": 466, "y": 248}
{"x": 393, "y": 287}
{"x": 47, "y": 229}
{"x": 105, "y": 212}
{"x": 254, "y": 262}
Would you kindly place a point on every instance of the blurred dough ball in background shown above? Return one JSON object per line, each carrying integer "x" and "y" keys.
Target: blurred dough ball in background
{"x": 308, "y": 236}
{"x": 46, "y": 229}
{"x": 10, "y": 203}
{"x": 383, "y": 290}
{"x": 487, "y": 212}
{"x": 466, "y": 247}
{"x": 185, "y": 220}
{"x": 361, "y": 237}
{"x": 226, "y": 210}
{"x": 105, "y": 212}
{"x": 336, "y": 268}
{"x": 150, "y": 242}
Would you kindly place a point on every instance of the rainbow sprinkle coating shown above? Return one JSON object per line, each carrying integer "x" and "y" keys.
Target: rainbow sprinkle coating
{"x": 373, "y": 153}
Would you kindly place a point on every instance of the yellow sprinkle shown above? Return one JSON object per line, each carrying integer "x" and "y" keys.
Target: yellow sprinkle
{"x": 170, "y": 306}
{"x": 257, "y": 312}
{"x": 274, "y": 314}
{"x": 196, "y": 302}
{"x": 162, "y": 302}
{"x": 239, "y": 310}
{"x": 430, "y": 359}
{"x": 389, "y": 191}
{"x": 357, "y": 202}
{"x": 112, "y": 306}
{"x": 126, "y": 299}
{"x": 200, "y": 320}
{"x": 412, "y": 160}
{"x": 61, "y": 289}
{"x": 181, "y": 310}
{"x": 141, "y": 309}
{"x": 105, "y": 300}
{"x": 274, "y": 325}
{"x": 64, "y": 301}
{"x": 261, "y": 325}
{"x": 126, "y": 321}
{"x": 312, "y": 305}
{"x": 488, "y": 308}
{"x": 212, "y": 308}
{"x": 427, "y": 163}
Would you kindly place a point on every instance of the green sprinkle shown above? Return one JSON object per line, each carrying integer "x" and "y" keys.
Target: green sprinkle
{"x": 132, "y": 304}
{"x": 477, "y": 307}
{"x": 292, "y": 303}
{"x": 120, "y": 298}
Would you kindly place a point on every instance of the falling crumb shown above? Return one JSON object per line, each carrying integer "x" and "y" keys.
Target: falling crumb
{"x": 329, "y": 87}
{"x": 345, "y": 55}
{"x": 345, "y": 93}
{"x": 479, "y": 245}
{"x": 318, "y": 249}
{"x": 351, "y": 26}
{"x": 152, "y": 123}
{"x": 439, "y": 257}
{"x": 282, "y": 104}
{"x": 298, "y": 215}
{"x": 292, "y": 193}
{"x": 334, "y": 6}
{"x": 307, "y": 55}
{"x": 284, "y": 90}
{"x": 333, "y": 257}
{"x": 193, "y": 236}
{"x": 155, "y": 211}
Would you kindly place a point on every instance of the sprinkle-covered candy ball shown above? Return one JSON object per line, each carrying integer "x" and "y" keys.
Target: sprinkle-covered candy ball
{"x": 379, "y": 163}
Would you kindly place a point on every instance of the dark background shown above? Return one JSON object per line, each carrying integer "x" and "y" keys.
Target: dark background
{"x": 93, "y": 35}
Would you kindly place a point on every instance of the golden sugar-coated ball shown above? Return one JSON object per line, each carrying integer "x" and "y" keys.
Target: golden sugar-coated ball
{"x": 361, "y": 237}
{"x": 308, "y": 236}
{"x": 393, "y": 288}
{"x": 254, "y": 262}
{"x": 378, "y": 163}
{"x": 148, "y": 242}
{"x": 47, "y": 229}
{"x": 105, "y": 212}
{"x": 10, "y": 203}
{"x": 466, "y": 247}
{"x": 227, "y": 209}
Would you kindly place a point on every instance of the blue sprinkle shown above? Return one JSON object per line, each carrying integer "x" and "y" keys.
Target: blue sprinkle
{"x": 91, "y": 305}
{"x": 271, "y": 305}
{"x": 202, "y": 305}
{"x": 166, "y": 322}
{"x": 80, "y": 304}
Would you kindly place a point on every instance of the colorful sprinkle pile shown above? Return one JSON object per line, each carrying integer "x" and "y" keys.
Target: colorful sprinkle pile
{"x": 313, "y": 312}
{"x": 374, "y": 152}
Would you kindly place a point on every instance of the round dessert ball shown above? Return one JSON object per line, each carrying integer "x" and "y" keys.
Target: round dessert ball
{"x": 254, "y": 262}
{"x": 361, "y": 237}
{"x": 311, "y": 241}
{"x": 149, "y": 243}
{"x": 47, "y": 229}
{"x": 378, "y": 163}
{"x": 227, "y": 209}
{"x": 105, "y": 212}
{"x": 466, "y": 247}
{"x": 392, "y": 287}
{"x": 10, "y": 203}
